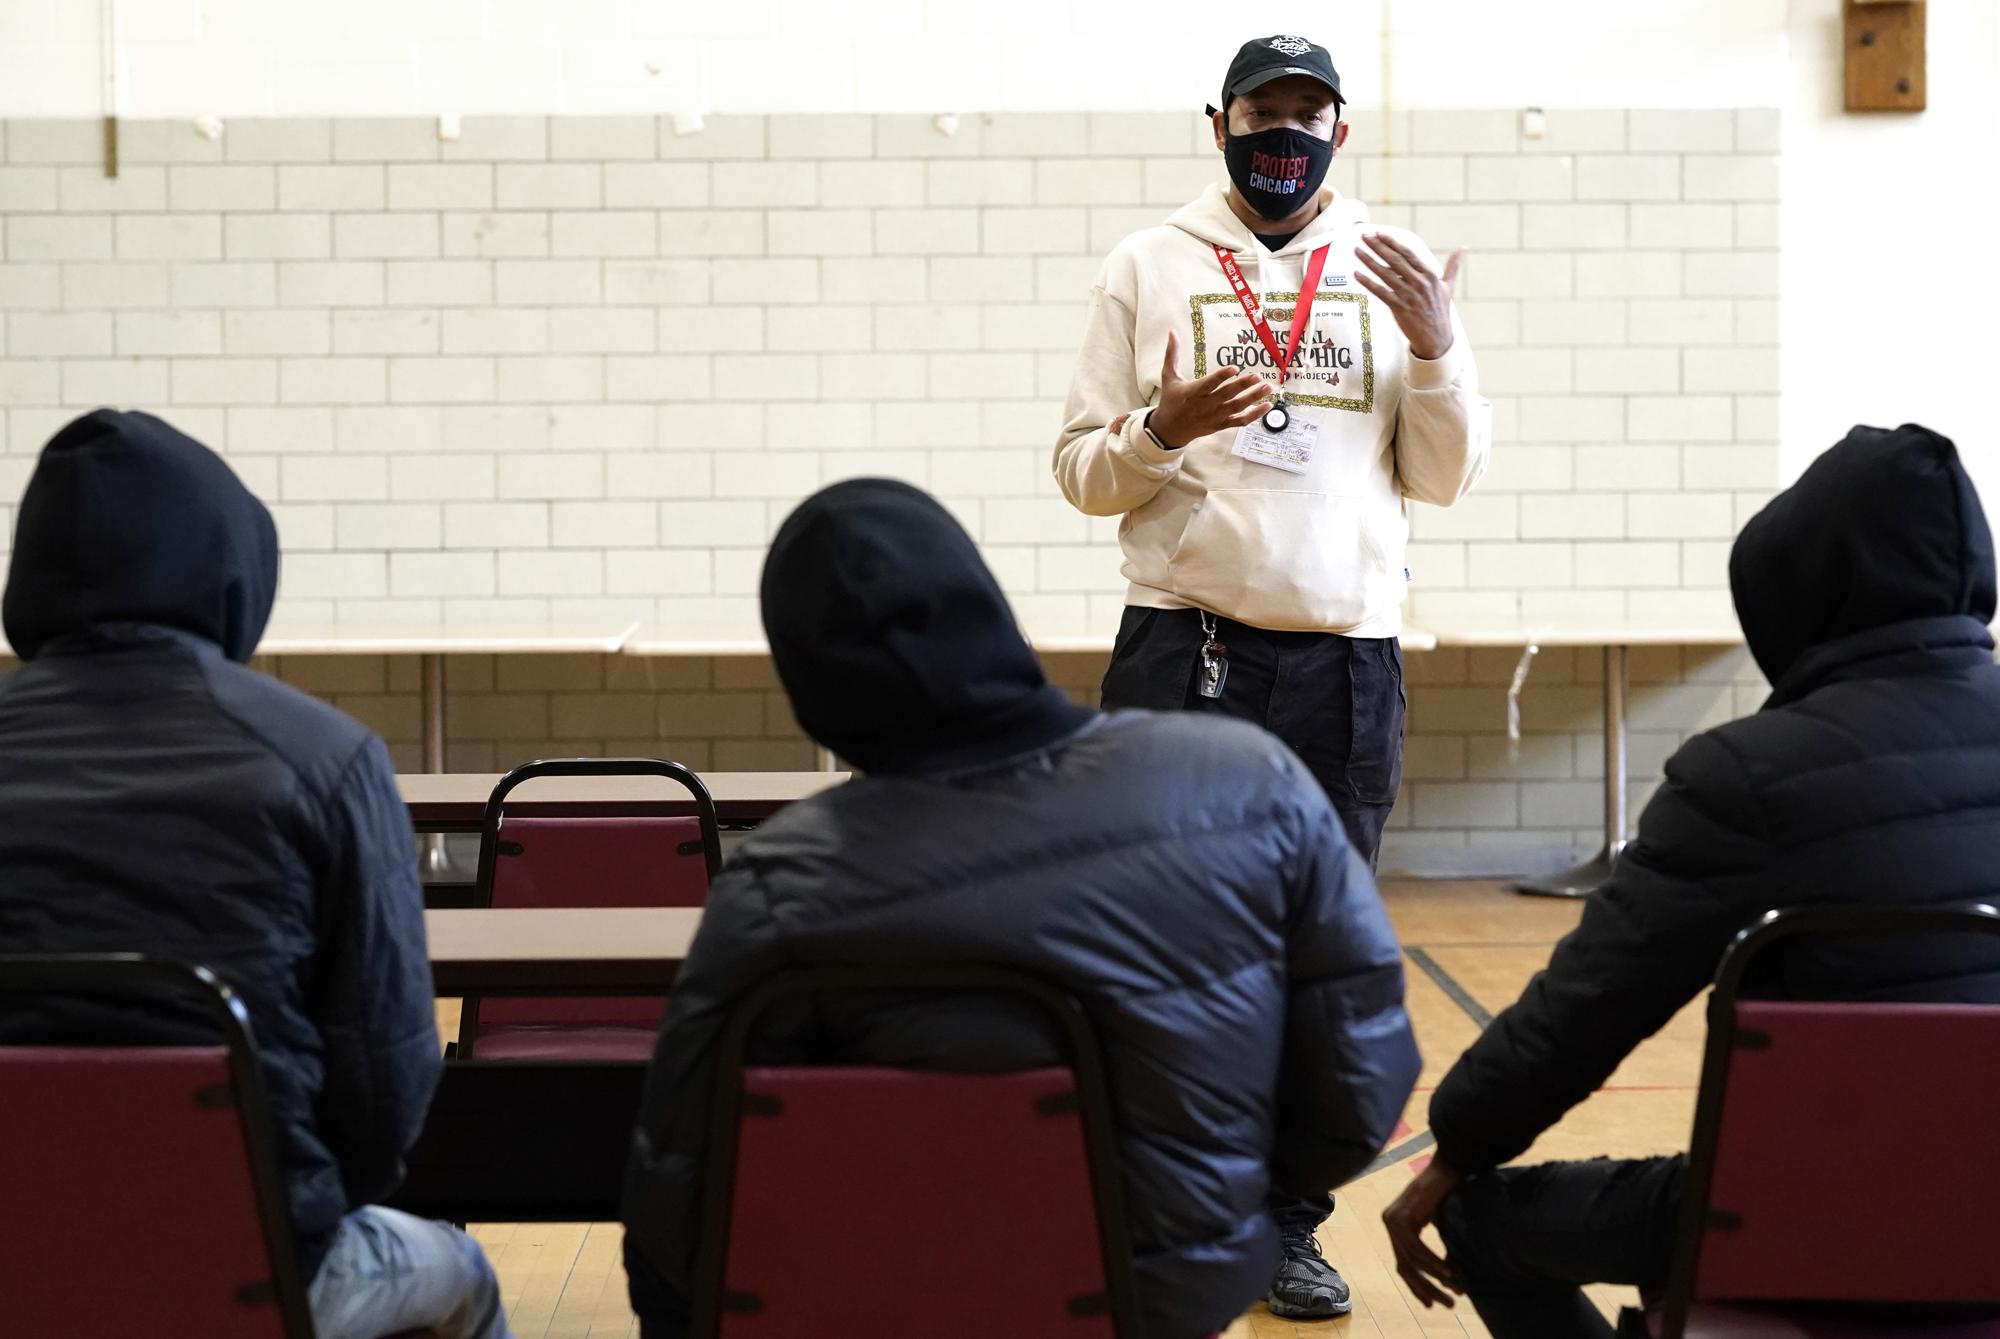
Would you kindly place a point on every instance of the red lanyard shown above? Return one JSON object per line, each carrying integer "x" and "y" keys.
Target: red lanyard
{"x": 1254, "y": 309}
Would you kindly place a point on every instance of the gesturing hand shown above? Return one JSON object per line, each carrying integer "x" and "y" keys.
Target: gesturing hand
{"x": 1424, "y": 1270}
{"x": 1419, "y": 299}
{"x": 1191, "y": 409}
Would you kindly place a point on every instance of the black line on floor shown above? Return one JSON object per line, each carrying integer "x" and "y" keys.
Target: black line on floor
{"x": 1409, "y": 1148}
{"x": 1459, "y": 994}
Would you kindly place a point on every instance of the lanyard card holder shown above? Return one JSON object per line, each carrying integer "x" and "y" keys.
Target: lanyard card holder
{"x": 1280, "y": 439}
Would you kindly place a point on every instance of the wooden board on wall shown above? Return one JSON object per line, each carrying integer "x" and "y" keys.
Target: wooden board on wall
{"x": 1885, "y": 55}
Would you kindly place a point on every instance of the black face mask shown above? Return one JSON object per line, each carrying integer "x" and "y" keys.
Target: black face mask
{"x": 1277, "y": 171}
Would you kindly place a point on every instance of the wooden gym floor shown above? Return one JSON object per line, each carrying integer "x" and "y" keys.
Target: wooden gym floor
{"x": 1469, "y": 949}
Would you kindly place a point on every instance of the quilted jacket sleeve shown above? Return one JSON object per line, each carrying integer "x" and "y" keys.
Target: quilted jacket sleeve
{"x": 1649, "y": 942}
{"x": 1350, "y": 1059}
{"x": 733, "y": 951}
{"x": 374, "y": 1004}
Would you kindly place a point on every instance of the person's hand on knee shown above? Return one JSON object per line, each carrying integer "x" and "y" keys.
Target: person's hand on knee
{"x": 1428, "y": 1275}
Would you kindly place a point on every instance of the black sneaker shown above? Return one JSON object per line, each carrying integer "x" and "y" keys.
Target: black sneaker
{"x": 1306, "y": 1287}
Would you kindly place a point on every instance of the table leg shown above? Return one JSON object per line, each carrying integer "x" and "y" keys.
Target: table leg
{"x": 435, "y": 865}
{"x": 1586, "y": 878}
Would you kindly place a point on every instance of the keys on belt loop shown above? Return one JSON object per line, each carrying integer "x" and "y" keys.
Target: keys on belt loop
{"x": 1214, "y": 660}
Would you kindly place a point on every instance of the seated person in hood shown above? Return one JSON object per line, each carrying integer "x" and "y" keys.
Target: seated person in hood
{"x": 1182, "y": 876}
{"x": 1871, "y": 775}
{"x": 158, "y": 796}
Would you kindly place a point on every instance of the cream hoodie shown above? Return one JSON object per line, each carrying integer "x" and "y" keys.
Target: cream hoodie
{"x": 1320, "y": 551}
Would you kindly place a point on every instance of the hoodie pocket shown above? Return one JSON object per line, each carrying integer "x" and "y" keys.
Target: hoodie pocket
{"x": 1283, "y": 559}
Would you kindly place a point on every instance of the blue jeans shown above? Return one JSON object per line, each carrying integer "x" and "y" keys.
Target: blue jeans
{"x": 388, "y": 1272}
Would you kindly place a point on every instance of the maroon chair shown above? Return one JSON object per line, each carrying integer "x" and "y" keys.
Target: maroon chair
{"x": 617, "y": 859}
{"x": 1844, "y": 1180}
{"x": 865, "y": 1200}
{"x": 139, "y": 1184}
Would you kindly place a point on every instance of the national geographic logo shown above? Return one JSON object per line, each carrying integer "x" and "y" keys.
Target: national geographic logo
{"x": 1335, "y": 367}
{"x": 1317, "y": 354}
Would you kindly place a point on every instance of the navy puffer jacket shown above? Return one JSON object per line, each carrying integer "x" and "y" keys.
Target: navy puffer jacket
{"x": 1872, "y": 775}
{"x": 159, "y": 796}
{"x": 1183, "y": 877}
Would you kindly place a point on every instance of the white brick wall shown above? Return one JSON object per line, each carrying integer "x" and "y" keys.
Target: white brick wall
{"x": 586, "y": 362}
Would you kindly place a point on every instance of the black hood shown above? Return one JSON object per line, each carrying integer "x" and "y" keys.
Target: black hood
{"x": 129, "y": 521}
{"x": 893, "y": 640}
{"x": 1884, "y": 528}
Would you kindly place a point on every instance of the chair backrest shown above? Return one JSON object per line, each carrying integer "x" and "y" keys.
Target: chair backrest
{"x": 875, "y": 1201}
{"x": 593, "y": 862}
{"x": 865, "y": 1200}
{"x": 1823, "y": 1092}
{"x": 139, "y": 1193}
{"x": 635, "y": 860}
{"x": 1799, "y": 1098}
{"x": 600, "y": 862}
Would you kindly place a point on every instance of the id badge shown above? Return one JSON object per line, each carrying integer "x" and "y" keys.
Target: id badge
{"x": 1290, "y": 449}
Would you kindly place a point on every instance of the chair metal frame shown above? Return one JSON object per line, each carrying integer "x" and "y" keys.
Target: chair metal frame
{"x": 711, "y": 1300}
{"x": 141, "y": 978}
{"x": 496, "y": 808}
{"x": 1724, "y": 1038}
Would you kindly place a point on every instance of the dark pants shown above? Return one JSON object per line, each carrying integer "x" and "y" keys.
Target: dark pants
{"x": 1523, "y": 1239}
{"x": 1336, "y": 701}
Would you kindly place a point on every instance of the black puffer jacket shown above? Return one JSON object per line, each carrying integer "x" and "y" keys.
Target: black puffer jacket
{"x": 156, "y": 795}
{"x": 1871, "y": 775}
{"x": 1184, "y": 877}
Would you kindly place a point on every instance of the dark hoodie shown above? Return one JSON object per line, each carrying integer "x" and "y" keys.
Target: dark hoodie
{"x": 1872, "y": 775}
{"x": 126, "y": 521}
{"x": 157, "y": 796}
{"x": 1882, "y": 531}
{"x": 894, "y": 643}
{"x": 1182, "y": 876}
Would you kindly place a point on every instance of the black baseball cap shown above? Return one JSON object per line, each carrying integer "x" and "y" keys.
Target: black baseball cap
{"x": 1263, "y": 59}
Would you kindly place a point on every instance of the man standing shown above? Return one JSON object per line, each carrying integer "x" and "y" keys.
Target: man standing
{"x": 1262, "y": 481}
